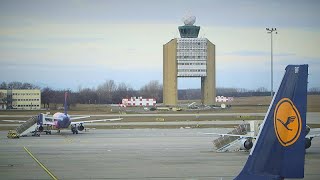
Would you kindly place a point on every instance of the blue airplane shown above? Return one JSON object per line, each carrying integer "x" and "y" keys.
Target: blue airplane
{"x": 279, "y": 151}
{"x": 63, "y": 120}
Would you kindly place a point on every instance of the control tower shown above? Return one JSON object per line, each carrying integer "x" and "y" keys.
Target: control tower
{"x": 189, "y": 57}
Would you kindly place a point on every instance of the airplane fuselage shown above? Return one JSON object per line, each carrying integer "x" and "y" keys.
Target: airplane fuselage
{"x": 61, "y": 120}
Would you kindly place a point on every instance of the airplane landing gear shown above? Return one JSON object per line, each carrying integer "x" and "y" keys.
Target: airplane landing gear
{"x": 74, "y": 130}
{"x": 36, "y": 133}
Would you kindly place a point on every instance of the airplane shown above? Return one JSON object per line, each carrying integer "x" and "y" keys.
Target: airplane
{"x": 246, "y": 141}
{"x": 63, "y": 120}
{"x": 279, "y": 151}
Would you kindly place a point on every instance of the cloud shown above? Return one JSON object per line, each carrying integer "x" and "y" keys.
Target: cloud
{"x": 87, "y": 41}
{"x": 71, "y": 77}
{"x": 219, "y": 13}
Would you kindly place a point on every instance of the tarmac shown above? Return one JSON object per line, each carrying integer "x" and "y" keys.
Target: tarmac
{"x": 128, "y": 154}
{"x": 312, "y": 118}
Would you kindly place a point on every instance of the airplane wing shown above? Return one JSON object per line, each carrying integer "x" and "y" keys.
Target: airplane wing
{"x": 14, "y": 121}
{"x": 72, "y": 118}
{"x": 235, "y": 135}
{"x": 313, "y": 135}
{"x": 50, "y": 118}
{"x": 79, "y": 117}
{"x": 99, "y": 120}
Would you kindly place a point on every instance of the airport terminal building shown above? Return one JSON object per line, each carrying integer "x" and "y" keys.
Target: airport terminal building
{"x": 24, "y": 99}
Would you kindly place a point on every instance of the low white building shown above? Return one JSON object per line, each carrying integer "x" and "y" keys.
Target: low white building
{"x": 138, "y": 101}
{"x": 224, "y": 99}
{"x": 20, "y": 98}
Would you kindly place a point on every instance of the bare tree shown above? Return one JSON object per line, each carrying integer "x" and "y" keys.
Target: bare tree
{"x": 47, "y": 96}
{"x": 106, "y": 90}
{"x": 3, "y": 85}
{"x": 88, "y": 96}
{"x": 123, "y": 91}
{"x": 153, "y": 89}
{"x": 189, "y": 94}
{"x": 29, "y": 86}
{"x": 314, "y": 90}
{"x": 18, "y": 85}
{"x": 15, "y": 85}
{"x": 262, "y": 89}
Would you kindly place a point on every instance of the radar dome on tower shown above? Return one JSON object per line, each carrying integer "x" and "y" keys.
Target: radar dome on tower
{"x": 189, "y": 20}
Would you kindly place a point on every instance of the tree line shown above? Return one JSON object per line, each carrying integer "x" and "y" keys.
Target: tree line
{"x": 111, "y": 92}
{"x": 194, "y": 94}
{"x": 108, "y": 92}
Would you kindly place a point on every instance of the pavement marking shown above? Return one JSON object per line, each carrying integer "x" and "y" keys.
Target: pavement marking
{"x": 41, "y": 165}
{"x": 67, "y": 139}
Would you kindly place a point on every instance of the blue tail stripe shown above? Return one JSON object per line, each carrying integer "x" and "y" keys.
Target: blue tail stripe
{"x": 65, "y": 102}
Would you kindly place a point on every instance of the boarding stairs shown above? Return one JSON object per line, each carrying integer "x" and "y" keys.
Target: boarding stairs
{"x": 224, "y": 142}
{"x": 29, "y": 126}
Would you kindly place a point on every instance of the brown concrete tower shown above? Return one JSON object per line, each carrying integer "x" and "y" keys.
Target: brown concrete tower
{"x": 188, "y": 57}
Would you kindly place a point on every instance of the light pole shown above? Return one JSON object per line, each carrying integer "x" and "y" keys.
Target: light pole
{"x": 270, "y": 31}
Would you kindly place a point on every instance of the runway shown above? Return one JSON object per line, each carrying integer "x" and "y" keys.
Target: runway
{"x": 312, "y": 117}
{"x": 176, "y": 124}
{"x": 128, "y": 154}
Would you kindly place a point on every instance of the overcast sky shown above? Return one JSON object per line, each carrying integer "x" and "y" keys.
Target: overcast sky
{"x": 68, "y": 44}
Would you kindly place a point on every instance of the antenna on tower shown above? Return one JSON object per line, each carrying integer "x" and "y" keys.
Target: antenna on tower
{"x": 189, "y": 20}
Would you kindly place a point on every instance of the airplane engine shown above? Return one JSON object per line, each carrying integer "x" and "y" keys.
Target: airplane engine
{"x": 40, "y": 128}
{"x": 307, "y": 129}
{"x": 308, "y": 143}
{"x": 80, "y": 128}
{"x": 246, "y": 144}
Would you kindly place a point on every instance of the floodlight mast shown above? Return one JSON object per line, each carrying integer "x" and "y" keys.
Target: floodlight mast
{"x": 270, "y": 31}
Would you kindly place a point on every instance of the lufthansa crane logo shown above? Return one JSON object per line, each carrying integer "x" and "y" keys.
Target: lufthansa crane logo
{"x": 287, "y": 122}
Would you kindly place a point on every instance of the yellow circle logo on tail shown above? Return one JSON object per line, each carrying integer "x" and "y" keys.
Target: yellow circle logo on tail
{"x": 287, "y": 122}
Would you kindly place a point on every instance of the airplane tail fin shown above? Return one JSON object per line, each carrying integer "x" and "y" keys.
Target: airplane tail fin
{"x": 65, "y": 102}
{"x": 40, "y": 119}
{"x": 280, "y": 146}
